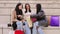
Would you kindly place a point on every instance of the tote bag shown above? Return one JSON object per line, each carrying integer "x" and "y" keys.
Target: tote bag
{"x": 54, "y": 21}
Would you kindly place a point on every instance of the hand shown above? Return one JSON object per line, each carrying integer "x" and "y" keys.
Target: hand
{"x": 19, "y": 15}
{"x": 23, "y": 20}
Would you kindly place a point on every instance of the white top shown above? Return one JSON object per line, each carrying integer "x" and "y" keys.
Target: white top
{"x": 27, "y": 17}
{"x": 27, "y": 14}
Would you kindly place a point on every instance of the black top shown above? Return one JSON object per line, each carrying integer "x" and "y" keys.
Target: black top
{"x": 19, "y": 13}
{"x": 41, "y": 15}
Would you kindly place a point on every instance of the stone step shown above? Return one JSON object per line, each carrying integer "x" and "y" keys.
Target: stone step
{"x": 48, "y": 30}
{"x": 47, "y": 11}
{"x": 4, "y": 19}
{"x": 45, "y": 6}
{"x": 5, "y": 11}
{"x": 29, "y": 0}
{"x": 53, "y": 1}
{"x": 7, "y": 19}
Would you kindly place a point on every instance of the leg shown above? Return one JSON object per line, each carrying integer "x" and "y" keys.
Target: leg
{"x": 26, "y": 28}
{"x": 31, "y": 29}
{"x": 34, "y": 28}
{"x": 40, "y": 31}
{"x": 19, "y": 25}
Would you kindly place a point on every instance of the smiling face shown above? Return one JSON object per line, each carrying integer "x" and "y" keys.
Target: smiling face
{"x": 20, "y": 7}
{"x": 27, "y": 7}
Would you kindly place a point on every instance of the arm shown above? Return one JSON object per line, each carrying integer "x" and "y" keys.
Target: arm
{"x": 41, "y": 14}
{"x": 13, "y": 16}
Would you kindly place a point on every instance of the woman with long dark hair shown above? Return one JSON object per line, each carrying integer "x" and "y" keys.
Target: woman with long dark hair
{"x": 27, "y": 8}
{"x": 27, "y": 15}
{"x": 41, "y": 20}
{"x": 18, "y": 18}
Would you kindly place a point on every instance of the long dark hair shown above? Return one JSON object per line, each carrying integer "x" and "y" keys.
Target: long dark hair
{"x": 38, "y": 8}
{"x": 26, "y": 8}
{"x": 18, "y": 11}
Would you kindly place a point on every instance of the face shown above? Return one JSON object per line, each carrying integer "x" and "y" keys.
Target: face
{"x": 20, "y": 7}
{"x": 27, "y": 6}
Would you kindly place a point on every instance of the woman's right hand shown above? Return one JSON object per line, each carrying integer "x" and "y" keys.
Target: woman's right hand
{"x": 19, "y": 15}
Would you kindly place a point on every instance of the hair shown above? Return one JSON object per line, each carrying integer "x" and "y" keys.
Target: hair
{"x": 38, "y": 8}
{"x": 26, "y": 8}
{"x": 17, "y": 8}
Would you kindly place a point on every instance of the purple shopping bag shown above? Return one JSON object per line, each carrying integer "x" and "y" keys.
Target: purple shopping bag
{"x": 54, "y": 21}
{"x": 59, "y": 20}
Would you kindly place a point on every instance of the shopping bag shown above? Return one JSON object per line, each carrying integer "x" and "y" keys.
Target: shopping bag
{"x": 19, "y": 32}
{"x": 29, "y": 21}
{"x": 54, "y": 21}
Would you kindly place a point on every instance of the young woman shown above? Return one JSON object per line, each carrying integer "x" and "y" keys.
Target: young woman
{"x": 27, "y": 15}
{"x": 17, "y": 16}
{"x": 41, "y": 20}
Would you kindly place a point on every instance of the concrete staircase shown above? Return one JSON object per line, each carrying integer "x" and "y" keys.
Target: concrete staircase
{"x": 50, "y": 7}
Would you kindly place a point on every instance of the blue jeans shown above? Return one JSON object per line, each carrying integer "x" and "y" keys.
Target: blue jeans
{"x": 25, "y": 28}
{"x": 19, "y": 25}
{"x": 38, "y": 30}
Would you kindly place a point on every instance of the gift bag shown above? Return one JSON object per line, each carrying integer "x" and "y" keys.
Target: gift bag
{"x": 33, "y": 20}
{"x": 54, "y": 21}
{"x": 19, "y": 32}
{"x": 29, "y": 21}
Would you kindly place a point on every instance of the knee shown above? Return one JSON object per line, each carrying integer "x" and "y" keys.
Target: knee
{"x": 35, "y": 24}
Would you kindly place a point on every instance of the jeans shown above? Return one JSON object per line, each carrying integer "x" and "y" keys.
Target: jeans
{"x": 19, "y": 25}
{"x": 38, "y": 30}
{"x": 25, "y": 27}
